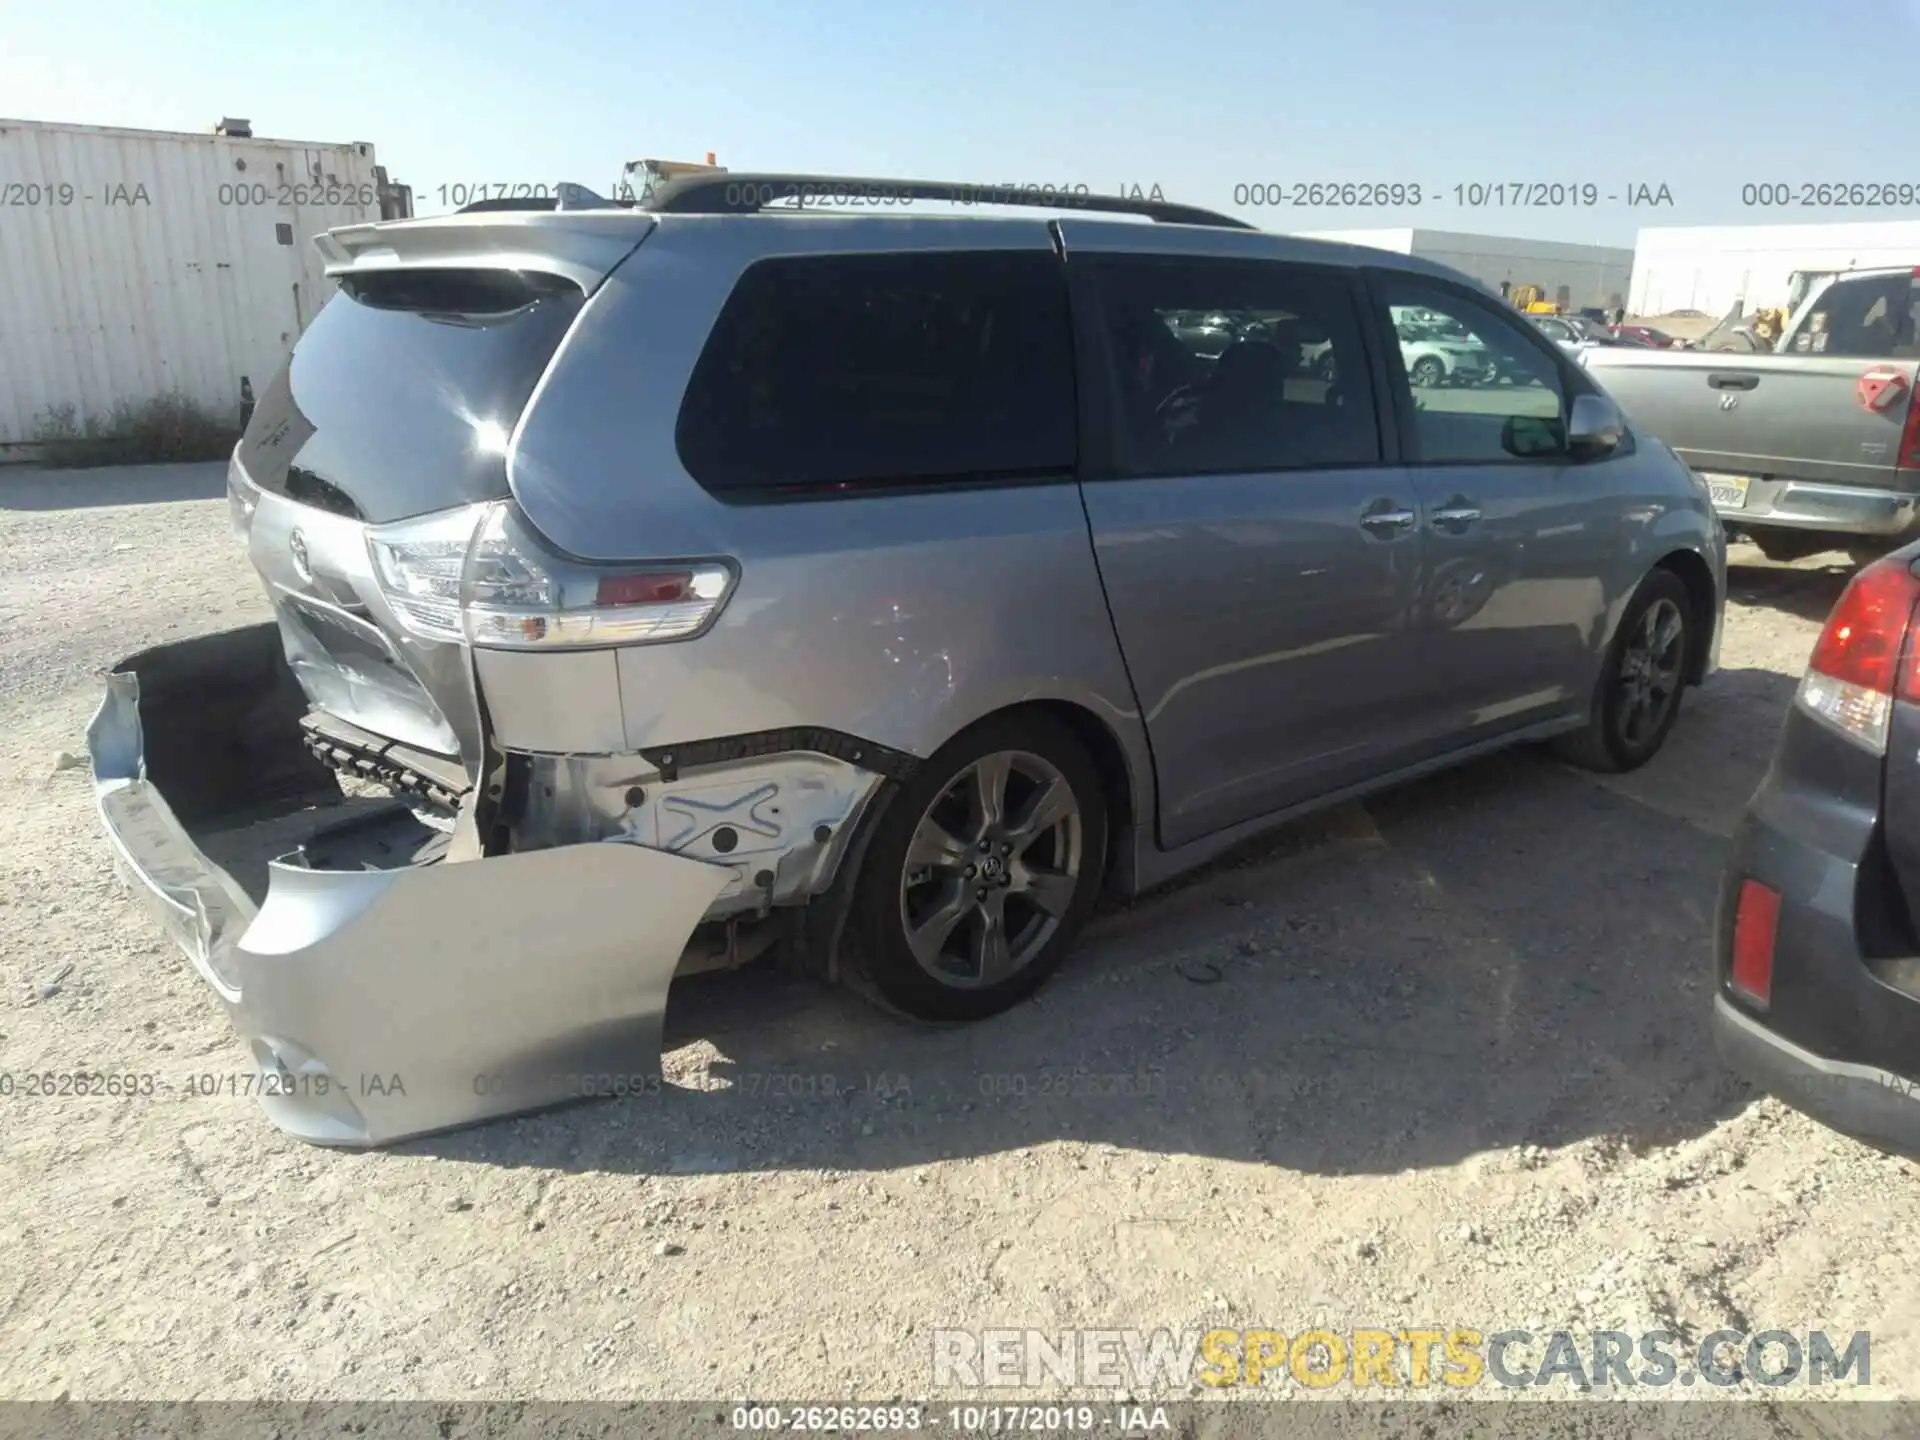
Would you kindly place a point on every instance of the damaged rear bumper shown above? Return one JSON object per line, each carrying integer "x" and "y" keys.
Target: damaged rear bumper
{"x": 384, "y": 990}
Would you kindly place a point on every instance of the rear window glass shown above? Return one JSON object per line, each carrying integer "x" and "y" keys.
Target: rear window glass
{"x": 885, "y": 369}
{"x": 399, "y": 398}
{"x": 1868, "y": 317}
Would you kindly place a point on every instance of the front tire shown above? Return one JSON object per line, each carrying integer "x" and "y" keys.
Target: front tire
{"x": 1427, "y": 372}
{"x": 982, "y": 872}
{"x": 1641, "y": 680}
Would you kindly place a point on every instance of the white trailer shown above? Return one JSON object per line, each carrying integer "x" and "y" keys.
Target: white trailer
{"x": 1711, "y": 267}
{"x": 143, "y": 263}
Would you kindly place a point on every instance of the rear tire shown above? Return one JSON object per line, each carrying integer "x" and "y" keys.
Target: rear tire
{"x": 1641, "y": 681}
{"x": 982, "y": 872}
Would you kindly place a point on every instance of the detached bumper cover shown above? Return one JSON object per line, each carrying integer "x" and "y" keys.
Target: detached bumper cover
{"x": 385, "y": 1003}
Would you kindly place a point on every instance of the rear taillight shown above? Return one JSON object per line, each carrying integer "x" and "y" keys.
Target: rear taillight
{"x": 1756, "y": 919}
{"x": 242, "y": 498}
{"x": 1910, "y": 435}
{"x": 419, "y": 564}
{"x": 1857, "y": 666}
{"x": 477, "y": 574}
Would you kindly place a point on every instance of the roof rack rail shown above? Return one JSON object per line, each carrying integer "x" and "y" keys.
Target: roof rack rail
{"x": 566, "y": 196}
{"x": 737, "y": 193}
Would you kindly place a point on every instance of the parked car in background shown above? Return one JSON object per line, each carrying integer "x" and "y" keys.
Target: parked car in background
{"x": 1438, "y": 350}
{"x": 1811, "y": 446}
{"x": 1817, "y": 964}
{"x": 1562, "y": 330}
{"x": 673, "y": 580}
{"x": 1644, "y": 335}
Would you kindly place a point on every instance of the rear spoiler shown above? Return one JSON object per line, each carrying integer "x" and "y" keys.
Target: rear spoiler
{"x": 582, "y": 246}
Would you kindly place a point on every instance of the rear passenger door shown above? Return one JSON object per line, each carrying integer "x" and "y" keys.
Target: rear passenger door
{"x": 1260, "y": 553}
{"x": 1521, "y": 539}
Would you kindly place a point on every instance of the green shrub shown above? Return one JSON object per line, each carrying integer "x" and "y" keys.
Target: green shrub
{"x": 163, "y": 428}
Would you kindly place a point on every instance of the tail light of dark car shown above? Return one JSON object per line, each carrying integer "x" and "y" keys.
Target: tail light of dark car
{"x": 1756, "y": 921}
{"x": 1864, "y": 659}
{"x": 1910, "y": 434}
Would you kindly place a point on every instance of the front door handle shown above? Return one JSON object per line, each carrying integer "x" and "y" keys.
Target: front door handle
{"x": 1384, "y": 519}
{"x": 1454, "y": 516}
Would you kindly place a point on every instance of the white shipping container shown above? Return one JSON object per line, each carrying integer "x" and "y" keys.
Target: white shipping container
{"x": 140, "y": 263}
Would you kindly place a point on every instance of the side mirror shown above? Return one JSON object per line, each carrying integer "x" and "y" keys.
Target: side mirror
{"x": 1595, "y": 428}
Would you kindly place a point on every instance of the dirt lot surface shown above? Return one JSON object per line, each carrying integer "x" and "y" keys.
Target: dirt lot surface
{"x": 1439, "y": 1058}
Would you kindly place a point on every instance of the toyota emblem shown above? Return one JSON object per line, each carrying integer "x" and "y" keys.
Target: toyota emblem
{"x": 297, "y": 544}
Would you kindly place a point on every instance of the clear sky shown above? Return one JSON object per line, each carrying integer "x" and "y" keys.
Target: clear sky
{"x": 1198, "y": 97}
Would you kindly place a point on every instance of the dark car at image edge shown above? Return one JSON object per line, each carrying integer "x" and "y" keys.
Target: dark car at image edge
{"x": 1818, "y": 965}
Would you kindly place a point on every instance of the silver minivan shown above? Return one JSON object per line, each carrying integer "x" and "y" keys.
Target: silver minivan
{"x": 654, "y": 585}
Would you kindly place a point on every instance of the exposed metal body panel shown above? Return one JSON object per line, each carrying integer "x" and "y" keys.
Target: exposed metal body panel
{"x": 136, "y": 263}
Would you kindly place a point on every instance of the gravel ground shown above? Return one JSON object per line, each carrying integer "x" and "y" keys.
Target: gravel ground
{"x": 1439, "y": 1058}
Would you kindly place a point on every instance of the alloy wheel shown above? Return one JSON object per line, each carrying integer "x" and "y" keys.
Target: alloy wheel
{"x": 1650, "y": 673}
{"x": 991, "y": 870}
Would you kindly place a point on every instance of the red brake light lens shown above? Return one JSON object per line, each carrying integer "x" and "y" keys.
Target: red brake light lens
{"x": 1861, "y": 642}
{"x": 1857, "y": 664}
{"x": 644, "y": 589}
{"x": 1910, "y": 435}
{"x": 1756, "y": 922}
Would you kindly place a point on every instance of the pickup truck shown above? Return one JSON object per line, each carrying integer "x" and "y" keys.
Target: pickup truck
{"x": 1812, "y": 446}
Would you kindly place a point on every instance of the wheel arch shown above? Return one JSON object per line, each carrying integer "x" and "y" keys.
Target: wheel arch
{"x": 1695, "y": 574}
